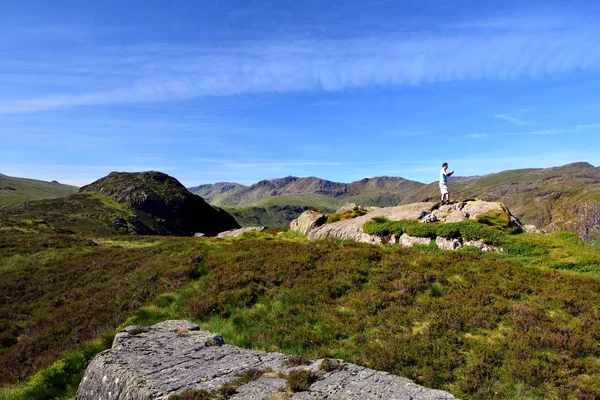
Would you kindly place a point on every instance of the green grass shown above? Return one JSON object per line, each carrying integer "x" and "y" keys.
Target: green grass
{"x": 468, "y": 230}
{"x": 522, "y": 325}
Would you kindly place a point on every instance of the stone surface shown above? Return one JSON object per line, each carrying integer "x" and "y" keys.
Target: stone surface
{"x": 471, "y": 209}
{"x": 410, "y": 241}
{"x": 173, "y": 356}
{"x": 307, "y": 221}
{"x": 199, "y": 234}
{"x": 352, "y": 228}
{"x": 240, "y": 231}
{"x": 448, "y": 244}
{"x": 348, "y": 207}
{"x": 482, "y": 246}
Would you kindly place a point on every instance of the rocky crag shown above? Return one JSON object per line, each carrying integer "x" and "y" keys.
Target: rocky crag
{"x": 174, "y": 359}
{"x": 315, "y": 226}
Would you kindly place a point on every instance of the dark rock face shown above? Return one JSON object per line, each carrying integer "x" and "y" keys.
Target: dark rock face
{"x": 173, "y": 207}
{"x": 174, "y": 356}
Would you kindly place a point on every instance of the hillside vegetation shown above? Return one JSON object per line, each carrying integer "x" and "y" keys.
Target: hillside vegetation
{"x": 14, "y": 191}
{"x": 519, "y": 325}
{"x": 147, "y": 203}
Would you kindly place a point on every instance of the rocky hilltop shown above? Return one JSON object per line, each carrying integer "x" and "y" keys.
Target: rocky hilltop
{"x": 175, "y": 360}
{"x": 557, "y": 198}
{"x": 148, "y": 203}
{"x": 315, "y": 224}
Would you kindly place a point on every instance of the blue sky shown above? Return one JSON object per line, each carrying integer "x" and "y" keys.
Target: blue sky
{"x": 241, "y": 91}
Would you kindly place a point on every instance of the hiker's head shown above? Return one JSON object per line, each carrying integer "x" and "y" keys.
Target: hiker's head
{"x": 445, "y": 165}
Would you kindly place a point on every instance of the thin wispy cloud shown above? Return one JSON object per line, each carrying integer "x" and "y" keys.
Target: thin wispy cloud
{"x": 163, "y": 72}
{"x": 515, "y": 117}
{"x": 543, "y": 132}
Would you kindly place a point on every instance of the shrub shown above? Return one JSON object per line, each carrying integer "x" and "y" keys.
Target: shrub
{"x": 437, "y": 290}
{"x": 294, "y": 361}
{"x": 193, "y": 394}
{"x": 300, "y": 380}
{"x": 449, "y": 230}
{"x": 330, "y": 365}
{"x": 422, "y": 230}
{"x": 473, "y": 231}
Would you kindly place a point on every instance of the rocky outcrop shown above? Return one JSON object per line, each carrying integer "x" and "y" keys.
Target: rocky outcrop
{"x": 240, "y": 231}
{"x": 162, "y": 205}
{"x": 425, "y": 212}
{"x": 308, "y": 221}
{"x": 175, "y": 356}
{"x": 352, "y": 228}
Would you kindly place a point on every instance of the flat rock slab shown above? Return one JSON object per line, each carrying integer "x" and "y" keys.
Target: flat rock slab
{"x": 174, "y": 356}
{"x": 238, "y": 232}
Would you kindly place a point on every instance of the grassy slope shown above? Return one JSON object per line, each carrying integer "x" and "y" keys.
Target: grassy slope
{"x": 14, "y": 191}
{"x": 479, "y": 325}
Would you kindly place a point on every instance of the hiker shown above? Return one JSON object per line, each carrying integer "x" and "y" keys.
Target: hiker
{"x": 444, "y": 174}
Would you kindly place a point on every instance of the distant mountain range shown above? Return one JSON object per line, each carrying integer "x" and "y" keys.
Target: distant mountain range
{"x": 276, "y": 202}
{"x": 14, "y": 191}
{"x": 566, "y": 197}
{"x": 382, "y": 190}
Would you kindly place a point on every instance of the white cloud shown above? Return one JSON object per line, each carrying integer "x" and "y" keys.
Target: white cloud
{"x": 162, "y": 72}
{"x": 542, "y": 132}
{"x": 515, "y": 117}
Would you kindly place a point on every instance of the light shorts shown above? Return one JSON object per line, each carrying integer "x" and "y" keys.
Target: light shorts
{"x": 444, "y": 188}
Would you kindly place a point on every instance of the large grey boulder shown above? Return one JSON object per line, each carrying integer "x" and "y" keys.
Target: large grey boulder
{"x": 307, "y": 221}
{"x": 174, "y": 356}
{"x": 352, "y": 228}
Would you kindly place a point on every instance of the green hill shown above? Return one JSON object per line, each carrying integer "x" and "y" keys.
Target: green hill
{"x": 14, "y": 191}
{"x": 146, "y": 203}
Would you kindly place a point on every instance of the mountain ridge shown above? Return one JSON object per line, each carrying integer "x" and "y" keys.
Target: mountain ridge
{"x": 556, "y": 198}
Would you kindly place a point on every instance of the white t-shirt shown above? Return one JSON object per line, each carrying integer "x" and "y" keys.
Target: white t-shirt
{"x": 443, "y": 177}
